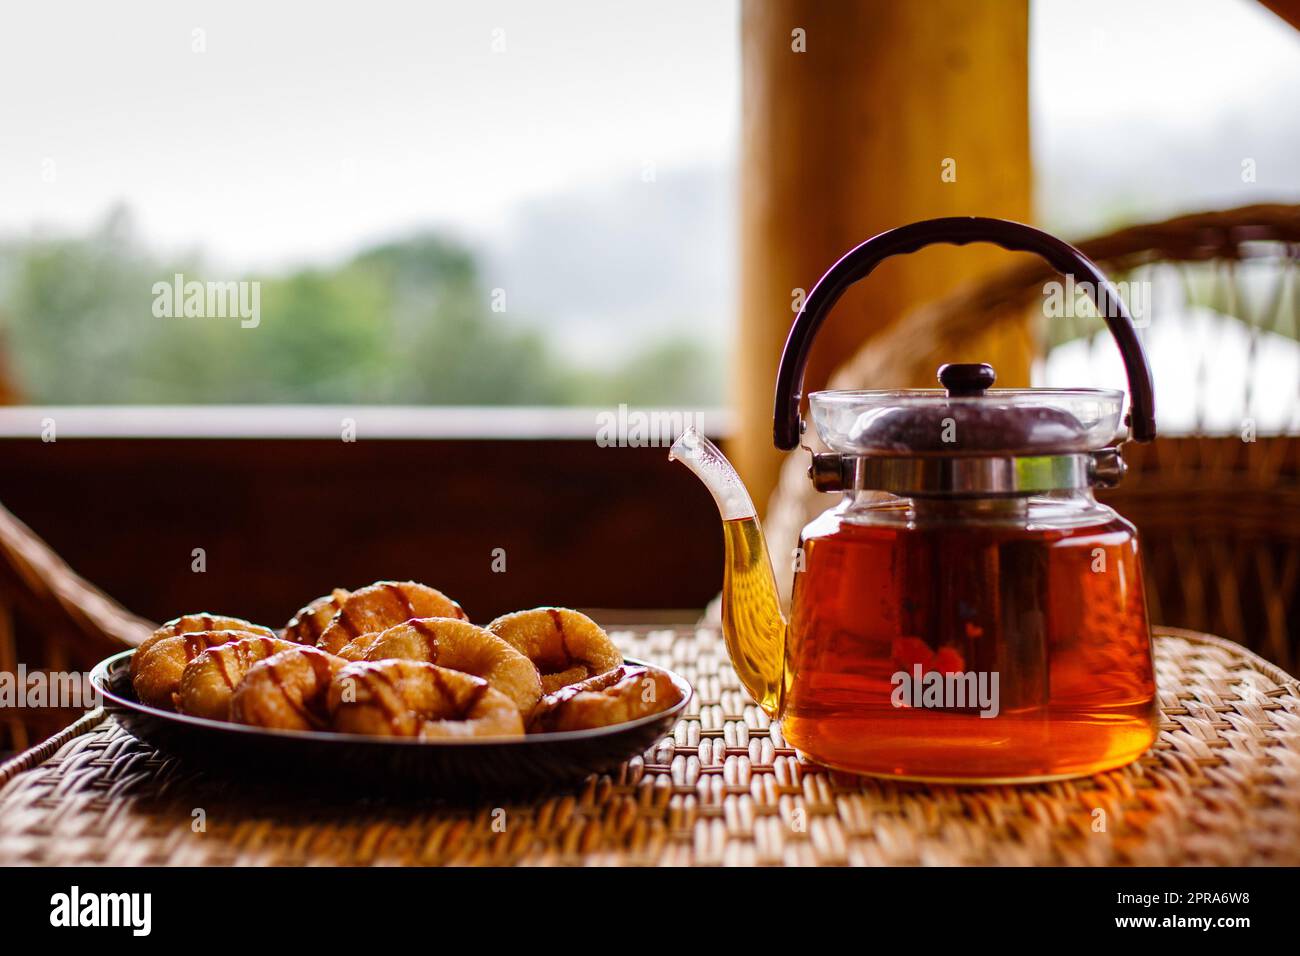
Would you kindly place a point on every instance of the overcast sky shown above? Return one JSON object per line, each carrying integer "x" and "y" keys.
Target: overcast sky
{"x": 303, "y": 131}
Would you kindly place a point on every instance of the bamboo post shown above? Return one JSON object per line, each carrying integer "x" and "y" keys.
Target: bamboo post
{"x": 859, "y": 116}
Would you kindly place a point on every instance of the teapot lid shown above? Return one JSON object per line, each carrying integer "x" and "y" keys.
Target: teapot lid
{"x": 966, "y": 418}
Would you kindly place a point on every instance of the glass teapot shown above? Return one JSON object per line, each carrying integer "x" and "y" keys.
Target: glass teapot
{"x": 968, "y": 612}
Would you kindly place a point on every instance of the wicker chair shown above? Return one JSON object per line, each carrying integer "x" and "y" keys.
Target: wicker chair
{"x": 53, "y": 620}
{"x": 1219, "y": 516}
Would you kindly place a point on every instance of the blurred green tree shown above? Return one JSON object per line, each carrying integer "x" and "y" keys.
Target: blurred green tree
{"x": 403, "y": 322}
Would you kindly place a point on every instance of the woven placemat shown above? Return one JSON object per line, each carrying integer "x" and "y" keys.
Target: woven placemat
{"x": 1220, "y": 787}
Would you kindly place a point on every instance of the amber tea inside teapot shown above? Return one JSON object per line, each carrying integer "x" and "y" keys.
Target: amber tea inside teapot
{"x": 968, "y": 611}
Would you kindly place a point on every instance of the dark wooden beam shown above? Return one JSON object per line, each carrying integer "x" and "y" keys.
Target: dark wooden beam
{"x": 1288, "y": 10}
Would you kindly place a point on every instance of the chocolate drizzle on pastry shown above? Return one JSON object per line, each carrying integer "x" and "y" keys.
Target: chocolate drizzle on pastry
{"x": 429, "y": 635}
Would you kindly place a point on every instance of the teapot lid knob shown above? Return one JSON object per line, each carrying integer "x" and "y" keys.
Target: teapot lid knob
{"x": 963, "y": 380}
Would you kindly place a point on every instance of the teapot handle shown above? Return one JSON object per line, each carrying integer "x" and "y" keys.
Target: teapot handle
{"x": 859, "y": 262}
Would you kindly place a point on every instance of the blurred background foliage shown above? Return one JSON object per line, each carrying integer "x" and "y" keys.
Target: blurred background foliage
{"x": 406, "y": 321}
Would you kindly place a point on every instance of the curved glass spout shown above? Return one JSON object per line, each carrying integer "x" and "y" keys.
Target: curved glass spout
{"x": 752, "y": 622}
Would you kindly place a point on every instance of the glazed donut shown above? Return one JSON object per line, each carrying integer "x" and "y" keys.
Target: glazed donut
{"x": 287, "y": 691}
{"x": 209, "y": 681}
{"x": 356, "y": 649}
{"x": 310, "y": 622}
{"x": 460, "y": 646}
{"x": 396, "y": 698}
{"x": 380, "y": 606}
{"x": 565, "y": 646}
{"x": 625, "y": 693}
{"x": 190, "y": 624}
{"x": 158, "y": 676}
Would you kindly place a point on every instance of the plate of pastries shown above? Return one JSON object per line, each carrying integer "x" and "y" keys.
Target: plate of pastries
{"x": 392, "y": 687}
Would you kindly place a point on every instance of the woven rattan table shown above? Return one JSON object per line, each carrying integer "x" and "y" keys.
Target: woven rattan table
{"x": 1220, "y": 787}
